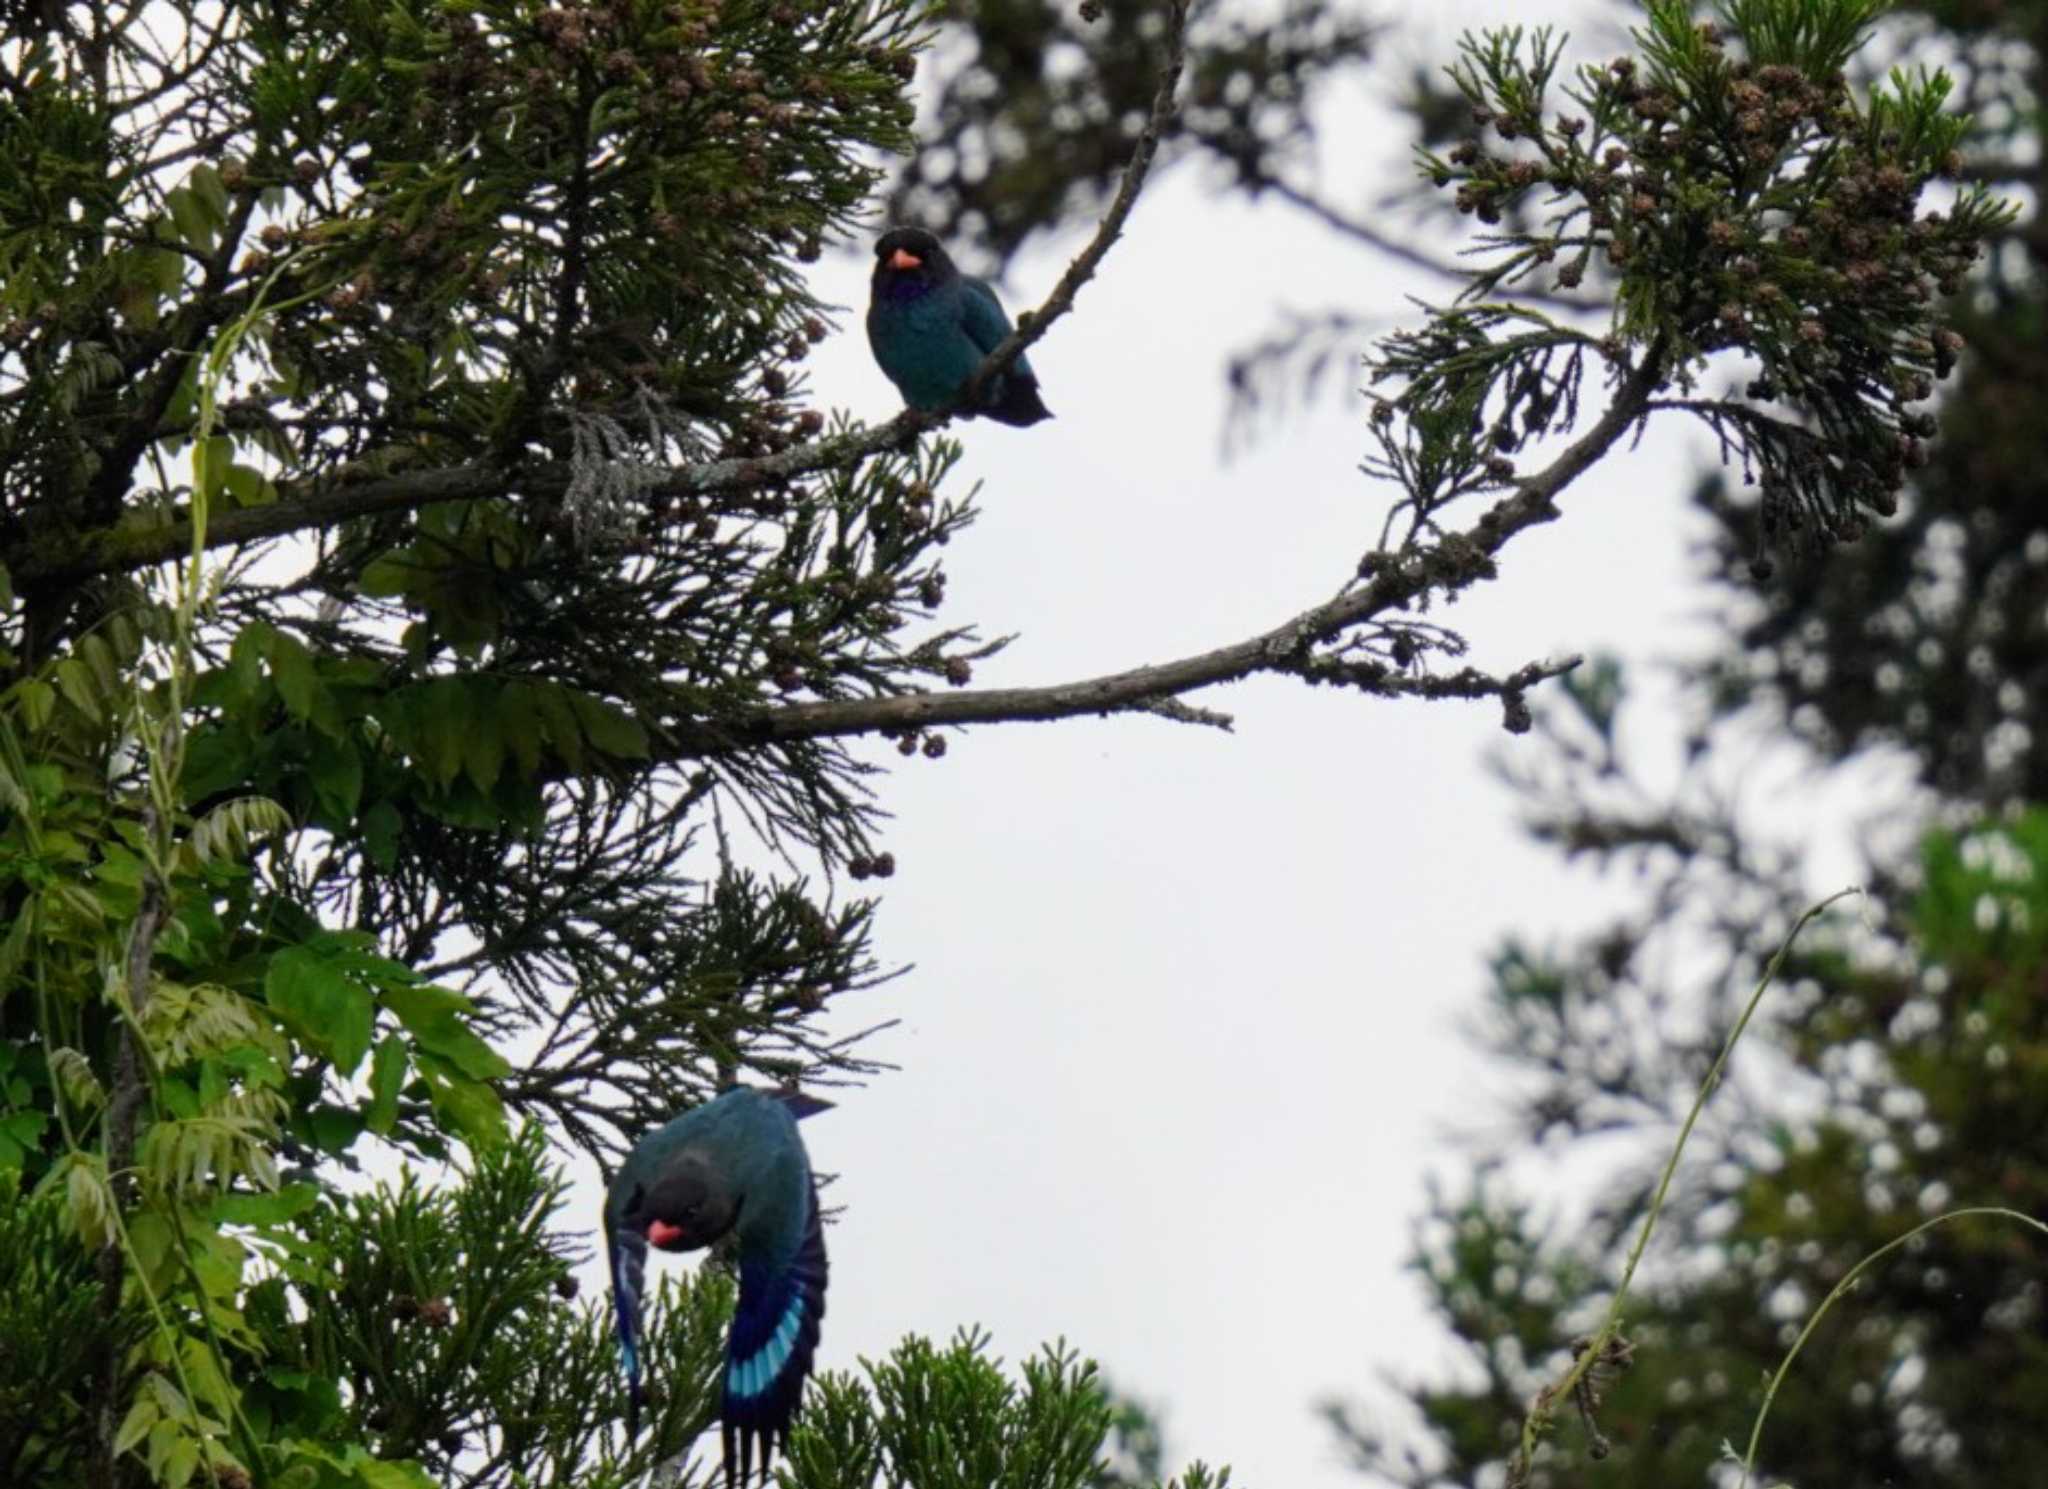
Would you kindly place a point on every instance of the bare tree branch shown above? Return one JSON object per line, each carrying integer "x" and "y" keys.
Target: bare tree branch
{"x": 1397, "y": 580}
{"x": 139, "y": 542}
{"x": 1385, "y": 681}
{"x": 1394, "y": 247}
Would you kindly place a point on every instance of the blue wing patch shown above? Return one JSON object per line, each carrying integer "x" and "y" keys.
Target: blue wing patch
{"x": 629, "y": 1275}
{"x": 768, "y": 1354}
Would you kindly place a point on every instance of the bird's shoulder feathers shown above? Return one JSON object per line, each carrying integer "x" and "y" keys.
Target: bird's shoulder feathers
{"x": 982, "y": 315}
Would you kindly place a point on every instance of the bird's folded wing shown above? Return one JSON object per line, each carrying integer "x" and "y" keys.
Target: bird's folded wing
{"x": 984, "y": 319}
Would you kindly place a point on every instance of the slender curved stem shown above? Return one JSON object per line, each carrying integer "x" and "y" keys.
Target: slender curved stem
{"x": 1848, "y": 1281}
{"x": 1538, "y": 1420}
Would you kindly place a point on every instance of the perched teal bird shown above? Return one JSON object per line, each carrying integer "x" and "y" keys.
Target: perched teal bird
{"x": 930, "y": 326}
{"x": 733, "y": 1166}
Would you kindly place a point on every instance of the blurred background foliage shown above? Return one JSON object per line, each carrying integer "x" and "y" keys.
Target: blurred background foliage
{"x": 1034, "y": 107}
{"x": 1897, "y": 1070}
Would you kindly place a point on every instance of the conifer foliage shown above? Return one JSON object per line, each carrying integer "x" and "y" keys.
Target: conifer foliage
{"x": 387, "y": 574}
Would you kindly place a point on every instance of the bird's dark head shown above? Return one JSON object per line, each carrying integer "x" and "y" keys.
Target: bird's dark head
{"x": 909, "y": 261}
{"x": 686, "y": 1206}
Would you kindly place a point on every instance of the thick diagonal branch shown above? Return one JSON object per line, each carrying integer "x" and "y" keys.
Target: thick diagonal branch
{"x": 1454, "y": 562}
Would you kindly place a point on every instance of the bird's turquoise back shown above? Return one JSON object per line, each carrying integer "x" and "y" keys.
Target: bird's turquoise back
{"x": 755, "y": 1136}
{"x": 751, "y": 1138}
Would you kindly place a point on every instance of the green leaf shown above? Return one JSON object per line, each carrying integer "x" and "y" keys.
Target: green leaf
{"x": 520, "y": 726}
{"x": 264, "y": 1209}
{"x": 135, "y": 293}
{"x": 389, "y": 575}
{"x": 190, "y": 217}
{"x": 387, "y": 1079}
{"x": 357, "y": 951}
{"x": 14, "y": 947}
{"x": 438, "y": 714}
{"x": 142, "y": 1416}
{"x": 120, "y": 866}
{"x": 178, "y": 1096}
{"x": 179, "y": 1464}
{"x": 611, "y": 729}
{"x": 323, "y": 1005}
{"x": 558, "y": 722}
{"x": 76, "y": 684}
{"x": 38, "y": 698}
{"x": 462, "y": 805}
{"x": 470, "y": 1108}
{"x": 483, "y": 750}
{"x": 211, "y": 458}
{"x": 167, "y": 274}
{"x": 216, "y": 1262}
{"x": 254, "y": 1065}
{"x": 86, "y": 1192}
{"x": 334, "y": 1130}
{"x": 407, "y": 1475}
{"x": 217, "y": 759}
{"x": 337, "y": 772}
{"x": 211, "y": 191}
{"x": 244, "y": 670}
{"x": 25, "y": 1128}
{"x": 151, "y": 1243}
{"x": 434, "y": 1016}
{"x": 185, "y": 397}
{"x": 248, "y": 486}
{"x": 297, "y": 681}
{"x": 78, "y": 900}
{"x": 233, "y": 827}
{"x": 381, "y": 826}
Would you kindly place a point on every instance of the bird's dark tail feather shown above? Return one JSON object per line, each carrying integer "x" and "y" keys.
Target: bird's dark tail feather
{"x": 1017, "y": 402}
{"x": 744, "y": 1438}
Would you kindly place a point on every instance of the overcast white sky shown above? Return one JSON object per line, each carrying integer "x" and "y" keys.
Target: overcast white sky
{"x": 1180, "y": 1045}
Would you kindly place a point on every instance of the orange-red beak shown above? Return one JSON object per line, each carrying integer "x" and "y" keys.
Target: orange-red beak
{"x": 663, "y": 1236}
{"x": 903, "y": 258}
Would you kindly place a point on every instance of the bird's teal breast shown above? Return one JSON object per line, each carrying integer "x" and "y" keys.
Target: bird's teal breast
{"x": 920, "y": 345}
